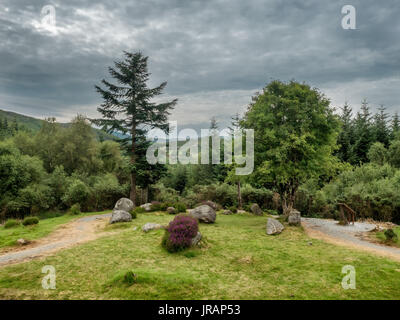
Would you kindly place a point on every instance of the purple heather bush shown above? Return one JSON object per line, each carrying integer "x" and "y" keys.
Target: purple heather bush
{"x": 180, "y": 232}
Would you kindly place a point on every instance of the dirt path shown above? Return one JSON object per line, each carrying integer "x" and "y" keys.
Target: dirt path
{"x": 349, "y": 236}
{"x": 67, "y": 235}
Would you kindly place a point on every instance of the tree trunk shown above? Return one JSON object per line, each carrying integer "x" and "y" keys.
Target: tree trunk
{"x": 133, "y": 174}
{"x": 239, "y": 196}
{"x": 146, "y": 194}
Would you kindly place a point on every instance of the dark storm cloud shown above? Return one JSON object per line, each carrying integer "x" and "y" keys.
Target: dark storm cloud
{"x": 214, "y": 54}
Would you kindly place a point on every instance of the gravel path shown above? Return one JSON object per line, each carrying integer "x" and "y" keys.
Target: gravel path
{"x": 75, "y": 232}
{"x": 350, "y": 235}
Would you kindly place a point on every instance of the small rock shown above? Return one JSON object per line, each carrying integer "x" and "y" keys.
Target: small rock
{"x": 227, "y": 212}
{"x": 135, "y": 228}
{"x": 171, "y": 210}
{"x": 255, "y": 209}
{"x": 274, "y": 226}
{"x": 146, "y": 206}
{"x": 241, "y": 211}
{"x": 196, "y": 239}
{"x": 310, "y": 243}
{"x": 151, "y": 226}
{"x": 23, "y": 242}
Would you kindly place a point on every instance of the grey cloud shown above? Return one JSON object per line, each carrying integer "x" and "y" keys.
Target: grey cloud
{"x": 214, "y": 54}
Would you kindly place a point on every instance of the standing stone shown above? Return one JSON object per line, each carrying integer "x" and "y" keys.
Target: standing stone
{"x": 120, "y": 216}
{"x": 196, "y": 239}
{"x": 274, "y": 226}
{"x": 171, "y": 210}
{"x": 146, "y": 206}
{"x": 255, "y": 209}
{"x": 294, "y": 218}
{"x": 124, "y": 204}
{"x": 151, "y": 226}
{"x": 227, "y": 212}
{"x": 204, "y": 213}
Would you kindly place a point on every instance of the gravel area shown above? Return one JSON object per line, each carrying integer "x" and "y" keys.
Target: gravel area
{"x": 77, "y": 231}
{"x": 349, "y": 234}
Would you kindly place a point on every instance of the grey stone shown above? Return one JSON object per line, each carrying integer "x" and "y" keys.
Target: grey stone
{"x": 196, "y": 239}
{"x": 204, "y": 213}
{"x": 146, "y": 206}
{"x": 227, "y": 212}
{"x": 120, "y": 216}
{"x": 171, "y": 210}
{"x": 294, "y": 218}
{"x": 274, "y": 226}
{"x": 23, "y": 242}
{"x": 124, "y": 204}
{"x": 151, "y": 226}
{"x": 255, "y": 209}
{"x": 241, "y": 211}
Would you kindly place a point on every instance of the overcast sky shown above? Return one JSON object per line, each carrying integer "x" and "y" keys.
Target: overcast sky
{"x": 214, "y": 54}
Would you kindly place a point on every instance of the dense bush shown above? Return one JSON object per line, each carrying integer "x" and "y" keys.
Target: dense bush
{"x": 180, "y": 207}
{"x": 77, "y": 192}
{"x": 134, "y": 213}
{"x": 11, "y": 223}
{"x": 179, "y": 234}
{"x": 30, "y": 221}
{"x": 370, "y": 190}
{"x": 390, "y": 235}
{"x": 232, "y": 209}
{"x": 155, "y": 206}
{"x": 75, "y": 209}
{"x": 138, "y": 210}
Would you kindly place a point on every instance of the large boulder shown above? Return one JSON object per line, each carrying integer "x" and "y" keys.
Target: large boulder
{"x": 124, "y": 204}
{"x": 294, "y": 218}
{"x": 274, "y": 226}
{"x": 151, "y": 226}
{"x": 120, "y": 216}
{"x": 204, "y": 213}
{"x": 211, "y": 204}
{"x": 255, "y": 209}
{"x": 146, "y": 206}
{"x": 196, "y": 239}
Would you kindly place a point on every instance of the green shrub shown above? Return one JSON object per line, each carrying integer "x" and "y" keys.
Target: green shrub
{"x": 155, "y": 206}
{"x": 232, "y": 209}
{"x": 180, "y": 207}
{"x": 137, "y": 210}
{"x": 129, "y": 278}
{"x": 164, "y": 206}
{"x": 77, "y": 192}
{"x": 390, "y": 235}
{"x": 134, "y": 213}
{"x": 75, "y": 209}
{"x": 30, "y": 221}
{"x": 11, "y": 223}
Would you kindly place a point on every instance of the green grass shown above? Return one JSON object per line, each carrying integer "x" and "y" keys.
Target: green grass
{"x": 8, "y": 237}
{"x": 237, "y": 261}
{"x": 381, "y": 237}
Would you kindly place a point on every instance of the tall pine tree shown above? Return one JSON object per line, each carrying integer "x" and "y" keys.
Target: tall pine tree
{"x": 381, "y": 130}
{"x": 346, "y": 136}
{"x": 363, "y": 134}
{"x": 127, "y": 108}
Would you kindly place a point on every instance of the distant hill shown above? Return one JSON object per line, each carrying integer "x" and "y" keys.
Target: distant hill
{"x": 34, "y": 124}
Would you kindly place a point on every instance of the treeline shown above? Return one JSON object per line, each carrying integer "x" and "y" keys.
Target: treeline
{"x": 361, "y": 131}
{"x": 58, "y": 167}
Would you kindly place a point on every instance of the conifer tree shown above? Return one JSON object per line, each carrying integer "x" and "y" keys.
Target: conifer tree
{"x": 128, "y": 110}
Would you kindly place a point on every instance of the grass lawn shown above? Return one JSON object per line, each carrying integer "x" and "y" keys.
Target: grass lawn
{"x": 8, "y": 237}
{"x": 237, "y": 261}
{"x": 381, "y": 237}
